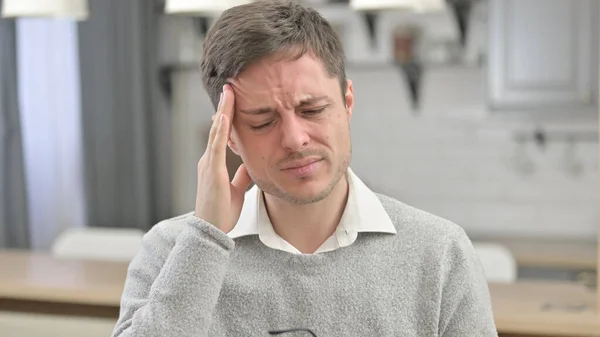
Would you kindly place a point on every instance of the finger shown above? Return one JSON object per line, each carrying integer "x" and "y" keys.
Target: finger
{"x": 215, "y": 124}
{"x": 228, "y": 102}
{"x": 223, "y": 118}
{"x": 241, "y": 179}
{"x": 219, "y": 145}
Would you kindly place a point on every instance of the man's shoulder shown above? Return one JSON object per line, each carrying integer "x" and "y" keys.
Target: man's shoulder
{"x": 166, "y": 231}
{"x": 454, "y": 270}
{"x": 411, "y": 221}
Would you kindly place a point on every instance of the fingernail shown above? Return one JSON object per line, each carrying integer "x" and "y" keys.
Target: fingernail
{"x": 221, "y": 119}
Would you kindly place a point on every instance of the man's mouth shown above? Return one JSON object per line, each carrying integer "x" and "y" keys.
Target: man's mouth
{"x": 299, "y": 163}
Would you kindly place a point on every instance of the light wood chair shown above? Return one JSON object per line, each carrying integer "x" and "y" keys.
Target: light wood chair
{"x": 498, "y": 262}
{"x": 109, "y": 244}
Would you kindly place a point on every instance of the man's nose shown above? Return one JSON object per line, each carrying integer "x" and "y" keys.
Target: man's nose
{"x": 294, "y": 135}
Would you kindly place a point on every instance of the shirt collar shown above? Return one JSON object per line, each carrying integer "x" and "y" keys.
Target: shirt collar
{"x": 363, "y": 212}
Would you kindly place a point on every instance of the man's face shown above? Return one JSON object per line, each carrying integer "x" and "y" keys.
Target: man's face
{"x": 292, "y": 128}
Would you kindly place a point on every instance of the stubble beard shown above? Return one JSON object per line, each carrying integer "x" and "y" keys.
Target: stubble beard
{"x": 270, "y": 188}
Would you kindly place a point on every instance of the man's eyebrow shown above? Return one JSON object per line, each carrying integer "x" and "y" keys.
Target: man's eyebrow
{"x": 258, "y": 111}
{"x": 266, "y": 110}
{"x": 312, "y": 100}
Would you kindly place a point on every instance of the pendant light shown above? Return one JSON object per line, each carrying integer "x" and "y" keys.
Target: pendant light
{"x": 376, "y": 5}
{"x": 423, "y": 6}
{"x": 71, "y": 9}
{"x": 201, "y": 6}
{"x": 201, "y": 10}
{"x": 417, "y": 5}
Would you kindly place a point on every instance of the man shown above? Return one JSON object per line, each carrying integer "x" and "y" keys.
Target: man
{"x": 309, "y": 250}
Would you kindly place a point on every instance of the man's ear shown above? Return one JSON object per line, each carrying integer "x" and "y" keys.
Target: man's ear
{"x": 349, "y": 95}
{"x": 233, "y": 145}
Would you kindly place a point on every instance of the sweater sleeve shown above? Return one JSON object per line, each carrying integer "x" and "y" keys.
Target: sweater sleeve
{"x": 466, "y": 308}
{"x": 173, "y": 283}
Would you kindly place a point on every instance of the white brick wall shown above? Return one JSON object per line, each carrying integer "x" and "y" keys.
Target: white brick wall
{"x": 461, "y": 168}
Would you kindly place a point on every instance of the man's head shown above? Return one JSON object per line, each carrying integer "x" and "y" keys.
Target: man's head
{"x": 293, "y": 102}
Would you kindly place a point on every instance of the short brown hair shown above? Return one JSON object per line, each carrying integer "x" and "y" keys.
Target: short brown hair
{"x": 244, "y": 34}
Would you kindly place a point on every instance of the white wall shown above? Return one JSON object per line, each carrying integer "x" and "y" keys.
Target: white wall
{"x": 453, "y": 159}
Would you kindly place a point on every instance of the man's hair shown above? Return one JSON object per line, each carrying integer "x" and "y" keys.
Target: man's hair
{"x": 247, "y": 33}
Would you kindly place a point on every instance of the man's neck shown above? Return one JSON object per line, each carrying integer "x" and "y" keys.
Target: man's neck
{"x": 306, "y": 227}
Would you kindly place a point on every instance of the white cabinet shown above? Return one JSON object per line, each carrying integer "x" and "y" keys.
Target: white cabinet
{"x": 543, "y": 56}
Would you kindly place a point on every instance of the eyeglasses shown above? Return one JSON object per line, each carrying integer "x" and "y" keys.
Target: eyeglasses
{"x": 274, "y": 333}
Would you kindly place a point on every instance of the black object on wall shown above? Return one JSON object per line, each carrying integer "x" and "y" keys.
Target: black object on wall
{"x": 371, "y": 19}
{"x": 413, "y": 73}
{"x": 202, "y": 24}
{"x": 462, "y": 12}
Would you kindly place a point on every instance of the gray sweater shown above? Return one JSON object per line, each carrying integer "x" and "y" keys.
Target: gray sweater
{"x": 191, "y": 279}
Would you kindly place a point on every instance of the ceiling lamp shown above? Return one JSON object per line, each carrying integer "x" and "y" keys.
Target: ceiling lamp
{"x": 201, "y": 6}
{"x": 368, "y": 5}
{"x": 72, "y": 9}
{"x": 429, "y": 5}
{"x": 201, "y": 10}
{"x": 417, "y": 5}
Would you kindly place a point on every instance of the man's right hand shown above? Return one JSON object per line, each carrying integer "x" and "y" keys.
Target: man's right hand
{"x": 219, "y": 201}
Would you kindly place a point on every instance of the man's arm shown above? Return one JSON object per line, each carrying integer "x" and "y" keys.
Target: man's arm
{"x": 466, "y": 305}
{"x": 173, "y": 283}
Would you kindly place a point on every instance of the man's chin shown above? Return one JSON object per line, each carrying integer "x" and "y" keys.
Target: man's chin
{"x": 311, "y": 189}
{"x": 304, "y": 198}
{"x": 307, "y": 191}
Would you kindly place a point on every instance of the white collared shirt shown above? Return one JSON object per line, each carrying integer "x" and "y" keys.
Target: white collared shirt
{"x": 363, "y": 213}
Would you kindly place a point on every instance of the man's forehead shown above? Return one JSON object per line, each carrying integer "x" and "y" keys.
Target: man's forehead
{"x": 296, "y": 90}
{"x": 276, "y": 81}
{"x": 274, "y": 70}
